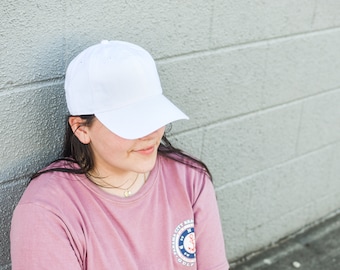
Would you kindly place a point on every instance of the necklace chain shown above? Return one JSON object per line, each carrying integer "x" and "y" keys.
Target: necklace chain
{"x": 127, "y": 191}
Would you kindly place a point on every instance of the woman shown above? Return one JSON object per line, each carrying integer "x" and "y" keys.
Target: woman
{"x": 121, "y": 197}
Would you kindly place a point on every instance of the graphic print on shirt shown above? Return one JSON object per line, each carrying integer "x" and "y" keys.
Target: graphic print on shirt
{"x": 184, "y": 243}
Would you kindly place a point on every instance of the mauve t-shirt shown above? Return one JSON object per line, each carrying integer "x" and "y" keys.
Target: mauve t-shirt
{"x": 64, "y": 221}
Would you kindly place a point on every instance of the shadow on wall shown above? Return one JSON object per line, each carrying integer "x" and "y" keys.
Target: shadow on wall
{"x": 32, "y": 122}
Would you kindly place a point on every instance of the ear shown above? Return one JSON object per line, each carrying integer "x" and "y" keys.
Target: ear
{"x": 79, "y": 128}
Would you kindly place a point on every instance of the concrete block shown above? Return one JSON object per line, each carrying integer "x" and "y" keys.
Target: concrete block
{"x": 34, "y": 126}
{"x": 326, "y": 14}
{"x": 190, "y": 142}
{"x": 300, "y": 67}
{"x": 32, "y": 42}
{"x": 324, "y": 206}
{"x": 291, "y": 222}
{"x": 10, "y": 193}
{"x": 243, "y": 21}
{"x": 234, "y": 202}
{"x": 335, "y": 168}
{"x": 274, "y": 230}
{"x": 211, "y": 87}
{"x": 316, "y": 247}
{"x": 164, "y": 28}
{"x": 265, "y": 207}
{"x": 246, "y": 145}
{"x": 285, "y": 188}
{"x": 320, "y": 122}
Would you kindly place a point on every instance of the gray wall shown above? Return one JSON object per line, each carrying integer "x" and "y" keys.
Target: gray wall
{"x": 260, "y": 80}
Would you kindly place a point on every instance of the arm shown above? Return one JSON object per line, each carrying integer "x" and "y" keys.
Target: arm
{"x": 210, "y": 250}
{"x": 41, "y": 240}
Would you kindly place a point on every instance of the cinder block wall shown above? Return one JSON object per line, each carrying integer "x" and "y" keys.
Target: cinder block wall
{"x": 260, "y": 80}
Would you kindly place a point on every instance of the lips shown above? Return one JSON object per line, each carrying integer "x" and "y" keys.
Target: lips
{"x": 146, "y": 151}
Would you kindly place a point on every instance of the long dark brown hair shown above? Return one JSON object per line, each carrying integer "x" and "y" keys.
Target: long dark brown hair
{"x": 81, "y": 154}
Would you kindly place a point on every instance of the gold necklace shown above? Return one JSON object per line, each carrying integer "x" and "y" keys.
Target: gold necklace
{"x": 127, "y": 192}
{"x": 92, "y": 178}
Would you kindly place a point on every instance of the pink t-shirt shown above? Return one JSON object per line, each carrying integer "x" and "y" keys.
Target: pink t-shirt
{"x": 64, "y": 221}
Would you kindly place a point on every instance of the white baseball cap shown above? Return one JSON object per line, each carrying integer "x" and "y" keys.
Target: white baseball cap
{"x": 118, "y": 82}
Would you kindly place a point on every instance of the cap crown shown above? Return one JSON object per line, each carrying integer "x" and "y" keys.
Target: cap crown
{"x": 110, "y": 76}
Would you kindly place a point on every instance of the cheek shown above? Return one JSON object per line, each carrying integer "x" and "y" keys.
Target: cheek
{"x": 117, "y": 148}
{"x": 109, "y": 148}
{"x": 160, "y": 133}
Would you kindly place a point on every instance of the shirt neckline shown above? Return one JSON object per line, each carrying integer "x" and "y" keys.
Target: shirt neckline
{"x": 140, "y": 194}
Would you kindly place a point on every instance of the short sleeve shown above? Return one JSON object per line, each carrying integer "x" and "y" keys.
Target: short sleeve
{"x": 41, "y": 240}
{"x": 210, "y": 249}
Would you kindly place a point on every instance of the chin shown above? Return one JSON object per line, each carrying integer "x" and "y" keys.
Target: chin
{"x": 147, "y": 165}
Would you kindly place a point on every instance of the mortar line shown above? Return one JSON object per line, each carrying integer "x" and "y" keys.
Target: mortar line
{"x": 314, "y": 13}
{"x": 211, "y": 21}
{"x": 260, "y": 111}
{"x": 297, "y": 142}
{"x": 22, "y": 179}
{"x": 278, "y": 165}
{"x": 243, "y": 45}
{"x": 36, "y": 84}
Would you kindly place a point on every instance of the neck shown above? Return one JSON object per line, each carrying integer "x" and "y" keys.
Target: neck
{"x": 123, "y": 187}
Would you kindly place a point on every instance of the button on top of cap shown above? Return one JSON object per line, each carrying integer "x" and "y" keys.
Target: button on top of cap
{"x": 104, "y": 41}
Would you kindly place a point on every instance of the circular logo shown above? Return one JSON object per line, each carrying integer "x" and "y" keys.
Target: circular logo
{"x": 184, "y": 243}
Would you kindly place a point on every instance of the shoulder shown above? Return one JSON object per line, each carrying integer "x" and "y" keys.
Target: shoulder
{"x": 50, "y": 186}
{"x": 184, "y": 176}
{"x": 183, "y": 165}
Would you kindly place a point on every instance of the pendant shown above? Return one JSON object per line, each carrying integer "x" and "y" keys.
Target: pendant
{"x": 127, "y": 193}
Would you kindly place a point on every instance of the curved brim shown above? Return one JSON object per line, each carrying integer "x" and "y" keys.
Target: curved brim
{"x": 140, "y": 119}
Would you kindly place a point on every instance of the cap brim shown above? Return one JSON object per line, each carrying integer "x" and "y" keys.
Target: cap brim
{"x": 142, "y": 118}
